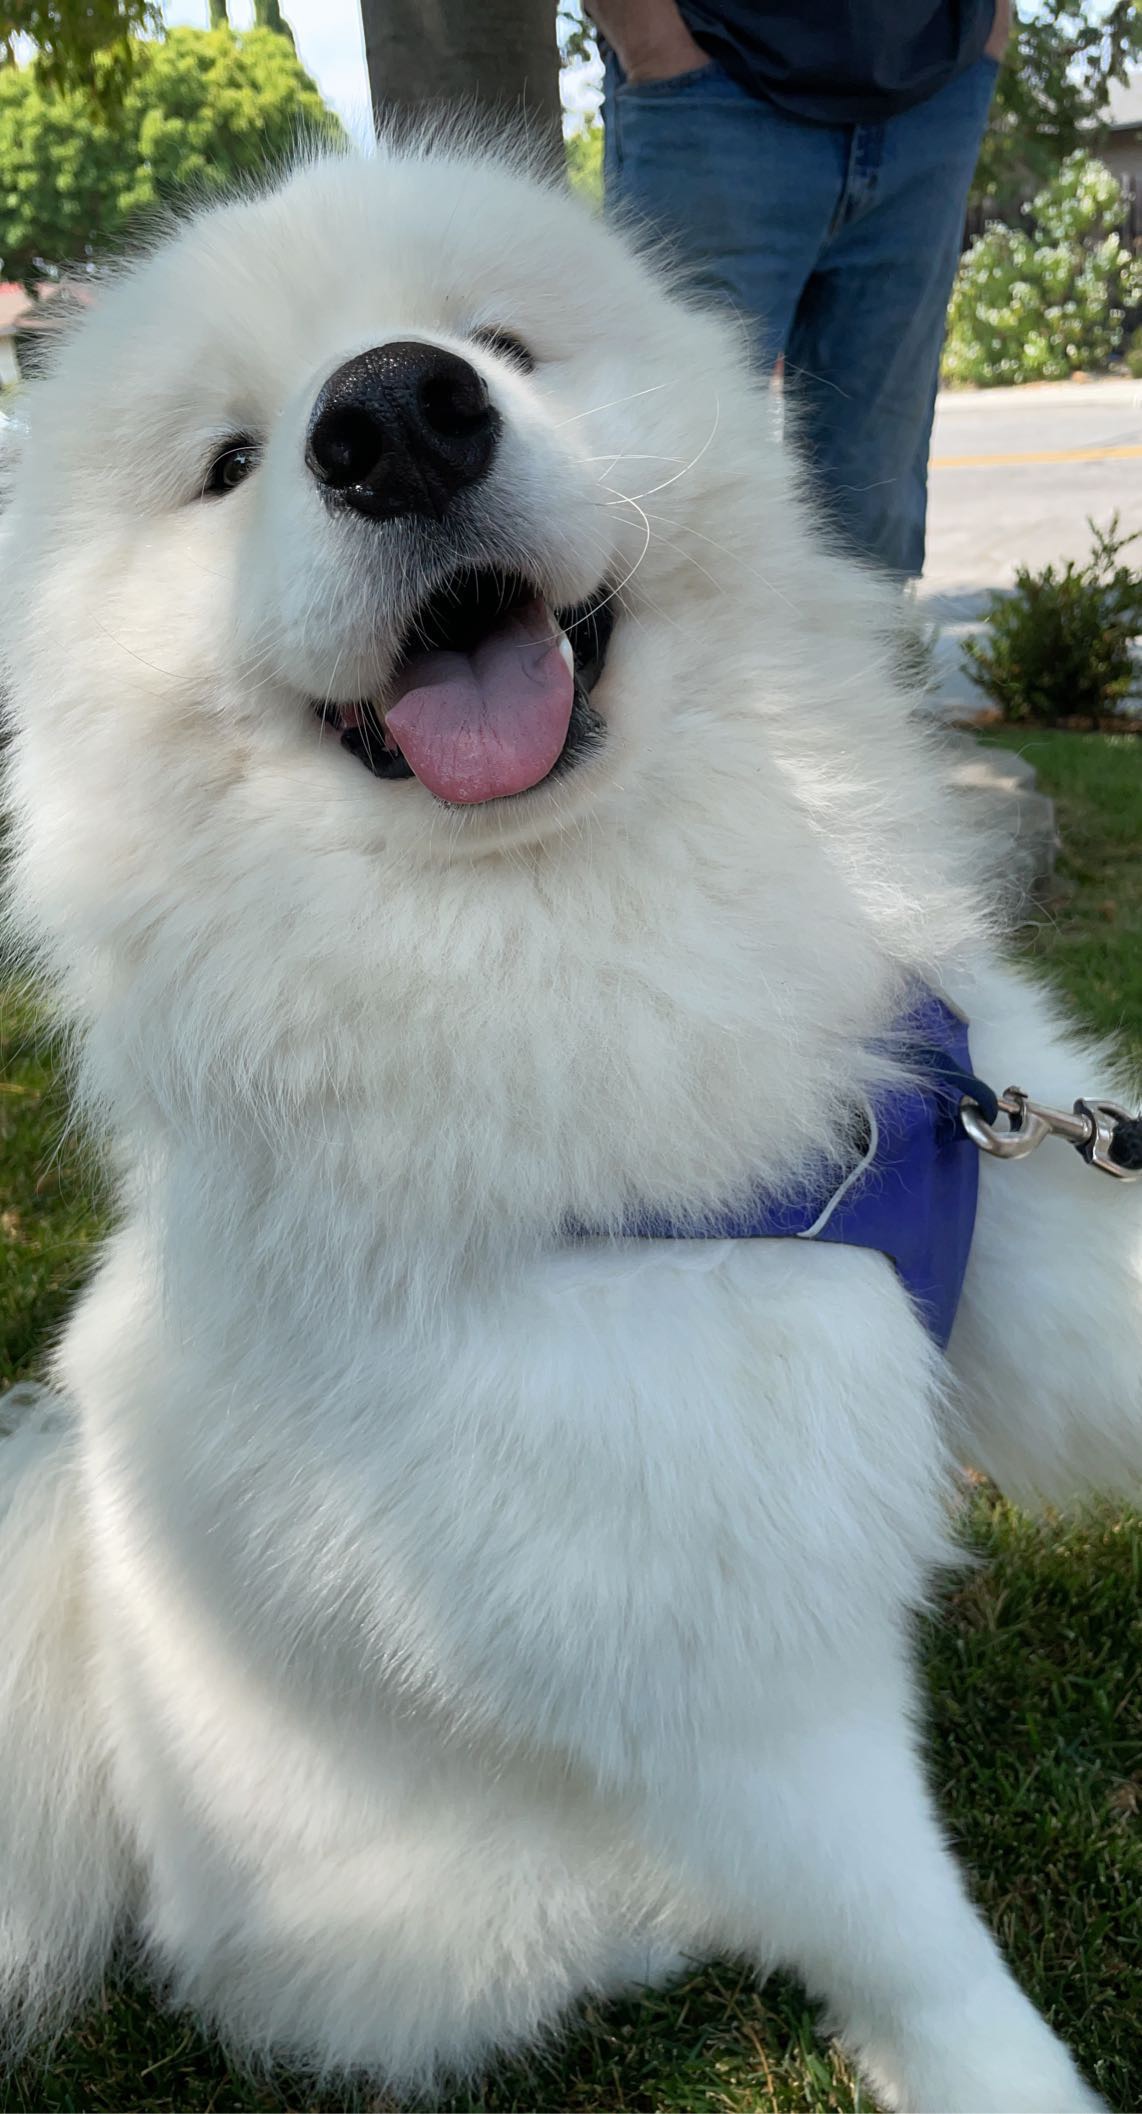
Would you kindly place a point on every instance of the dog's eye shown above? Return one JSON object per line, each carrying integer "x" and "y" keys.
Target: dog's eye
{"x": 232, "y": 463}
{"x": 507, "y": 345}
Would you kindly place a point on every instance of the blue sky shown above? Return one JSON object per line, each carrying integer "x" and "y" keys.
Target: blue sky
{"x": 331, "y": 46}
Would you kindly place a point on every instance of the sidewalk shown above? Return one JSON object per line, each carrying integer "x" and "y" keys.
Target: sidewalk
{"x": 1009, "y": 807}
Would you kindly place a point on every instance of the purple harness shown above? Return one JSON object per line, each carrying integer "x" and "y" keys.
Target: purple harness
{"x": 912, "y": 1195}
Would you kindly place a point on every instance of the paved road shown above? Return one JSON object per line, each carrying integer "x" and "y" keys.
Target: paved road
{"x": 1015, "y": 473}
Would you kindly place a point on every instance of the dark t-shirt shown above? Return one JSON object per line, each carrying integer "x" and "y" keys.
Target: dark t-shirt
{"x": 839, "y": 62}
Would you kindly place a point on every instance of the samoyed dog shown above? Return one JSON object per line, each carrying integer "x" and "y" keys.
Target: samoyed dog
{"x": 475, "y": 829}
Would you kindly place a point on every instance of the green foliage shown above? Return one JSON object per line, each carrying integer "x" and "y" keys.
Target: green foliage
{"x": 199, "y": 108}
{"x": 1051, "y": 92}
{"x": 1030, "y": 307}
{"x": 1059, "y": 646}
{"x": 583, "y": 147}
{"x": 80, "y": 44}
{"x": 584, "y": 151}
{"x": 1133, "y": 354}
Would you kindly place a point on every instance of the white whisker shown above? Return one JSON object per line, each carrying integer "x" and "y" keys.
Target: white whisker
{"x": 613, "y": 405}
{"x": 751, "y": 571}
{"x": 628, "y": 577}
{"x": 693, "y": 462}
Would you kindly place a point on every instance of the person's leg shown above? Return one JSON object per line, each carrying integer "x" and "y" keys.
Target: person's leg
{"x": 743, "y": 195}
{"x": 863, "y": 357}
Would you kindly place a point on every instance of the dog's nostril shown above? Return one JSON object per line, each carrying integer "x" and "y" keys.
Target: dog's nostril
{"x": 454, "y": 404}
{"x": 401, "y": 430}
{"x": 345, "y": 445}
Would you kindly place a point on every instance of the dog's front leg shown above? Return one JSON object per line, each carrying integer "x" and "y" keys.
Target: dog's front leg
{"x": 827, "y": 1851}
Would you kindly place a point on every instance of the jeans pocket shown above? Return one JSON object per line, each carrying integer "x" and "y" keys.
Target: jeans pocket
{"x": 667, "y": 84}
{"x": 709, "y": 79}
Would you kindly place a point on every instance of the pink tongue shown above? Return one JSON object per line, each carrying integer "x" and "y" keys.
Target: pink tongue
{"x": 476, "y": 726}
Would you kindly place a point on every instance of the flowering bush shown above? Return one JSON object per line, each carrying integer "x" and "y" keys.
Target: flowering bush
{"x": 1034, "y": 307}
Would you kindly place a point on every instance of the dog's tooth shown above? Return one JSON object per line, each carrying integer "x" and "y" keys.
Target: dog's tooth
{"x": 567, "y": 652}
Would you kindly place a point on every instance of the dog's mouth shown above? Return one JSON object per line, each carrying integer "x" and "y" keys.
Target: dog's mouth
{"x": 491, "y": 691}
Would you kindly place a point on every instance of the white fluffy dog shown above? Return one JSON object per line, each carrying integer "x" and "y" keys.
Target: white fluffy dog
{"x": 420, "y": 1613}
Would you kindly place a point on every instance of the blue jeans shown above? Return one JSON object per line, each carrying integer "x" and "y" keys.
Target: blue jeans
{"x": 837, "y": 245}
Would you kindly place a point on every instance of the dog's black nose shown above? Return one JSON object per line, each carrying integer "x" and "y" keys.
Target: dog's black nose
{"x": 401, "y": 430}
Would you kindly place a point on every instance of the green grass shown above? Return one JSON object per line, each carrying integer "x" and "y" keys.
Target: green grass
{"x": 1092, "y": 942}
{"x": 1036, "y": 1731}
{"x": 49, "y": 1192}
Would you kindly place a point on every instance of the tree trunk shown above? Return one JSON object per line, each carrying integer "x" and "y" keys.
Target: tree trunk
{"x": 498, "y": 58}
{"x": 268, "y": 15}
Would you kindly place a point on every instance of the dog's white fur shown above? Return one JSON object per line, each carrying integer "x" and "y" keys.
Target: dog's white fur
{"x": 419, "y": 1621}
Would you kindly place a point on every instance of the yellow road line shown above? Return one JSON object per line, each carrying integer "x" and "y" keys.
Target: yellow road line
{"x": 996, "y": 462}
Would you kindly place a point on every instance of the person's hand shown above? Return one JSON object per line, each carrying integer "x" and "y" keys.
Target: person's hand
{"x": 677, "y": 53}
{"x": 649, "y": 39}
{"x": 1000, "y": 31}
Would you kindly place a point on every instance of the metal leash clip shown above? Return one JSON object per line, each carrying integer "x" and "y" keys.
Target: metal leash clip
{"x": 1090, "y": 1127}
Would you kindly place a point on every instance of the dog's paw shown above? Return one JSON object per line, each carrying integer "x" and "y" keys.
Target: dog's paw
{"x": 994, "y": 2055}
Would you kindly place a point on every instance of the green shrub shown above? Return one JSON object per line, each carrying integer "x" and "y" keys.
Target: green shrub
{"x": 1059, "y": 646}
{"x": 1133, "y": 354}
{"x": 1037, "y": 307}
{"x": 584, "y": 151}
{"x": 200, "y": 110}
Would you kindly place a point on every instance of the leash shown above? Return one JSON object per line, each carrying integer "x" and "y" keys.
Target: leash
{"x": 911, "y": 1192}
{"x": 1103, "y": 1134}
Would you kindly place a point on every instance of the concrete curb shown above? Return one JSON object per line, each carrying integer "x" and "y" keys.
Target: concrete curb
{"x": 1011, "y": 810}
